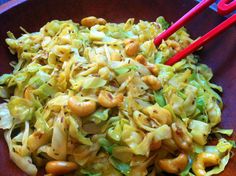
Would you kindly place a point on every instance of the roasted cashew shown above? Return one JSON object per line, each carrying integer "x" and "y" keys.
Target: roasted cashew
{"x": 89, "y": 21}
{"x": 107, "y": 100}
{"x": 131, "y": 47}
{"x": 181, "y": 136}
{"x": 92, "y": 20}
{"x": 174, "y": 166}
{"x": 152, "y": 82}
{"x": 82, "y": 109}
{"x": 102, "y": 21}
{"x": 204, "y": 160}
{"x": 154, "y": 69}
{"x": 141, "y": 59}
{"x": 60, "y": 167}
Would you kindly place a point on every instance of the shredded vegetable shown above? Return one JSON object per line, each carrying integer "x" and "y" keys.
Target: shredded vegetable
{"x": 100, "y": 96}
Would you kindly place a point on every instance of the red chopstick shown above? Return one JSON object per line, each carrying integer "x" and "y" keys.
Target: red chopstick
{"x": 204, "y": 39}
{"x": 224, "y": 7}
{"x": 183, "y": 20}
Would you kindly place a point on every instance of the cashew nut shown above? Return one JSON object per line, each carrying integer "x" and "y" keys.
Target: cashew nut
{"x": 106, "y": 99}
{"x": 89, "y": 21}
{"x": 82, "y": 109}
{"x": 141, "y": 59}
{"x": 152, "y": 82}
{"x": 92, "y": 20}
{"x": 174, "y": 166}
{"x": 204, "y": 160}
{"x": 60, "y": 167}
{"x": 159, "y": 114}
{"x": 102, "y": 21}
{"x": 181, "y": 136}
{"x": 154, "y": 69}
{"x": 131, "y": 47}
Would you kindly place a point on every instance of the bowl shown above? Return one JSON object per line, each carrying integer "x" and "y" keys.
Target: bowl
{"x": 219, "y": 54}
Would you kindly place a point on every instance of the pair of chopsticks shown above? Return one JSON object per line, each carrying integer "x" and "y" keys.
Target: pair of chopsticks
{"x": 224, "y": 7}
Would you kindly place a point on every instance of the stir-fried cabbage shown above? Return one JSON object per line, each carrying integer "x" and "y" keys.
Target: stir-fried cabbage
{"x": 5, "y": 117}
{"x": 76, "y": 95}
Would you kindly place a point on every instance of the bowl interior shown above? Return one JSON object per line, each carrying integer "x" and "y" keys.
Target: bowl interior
{"x": 219, "y": 54}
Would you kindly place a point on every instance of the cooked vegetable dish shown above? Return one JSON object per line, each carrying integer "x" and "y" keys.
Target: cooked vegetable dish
{"x": 96, "y": 99}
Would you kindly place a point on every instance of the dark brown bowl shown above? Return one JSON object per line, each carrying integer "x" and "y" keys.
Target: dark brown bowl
{"x": 218, "y": 54}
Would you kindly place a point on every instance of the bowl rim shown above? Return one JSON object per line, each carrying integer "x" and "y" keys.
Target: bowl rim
{"x": 10, "y": 4}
